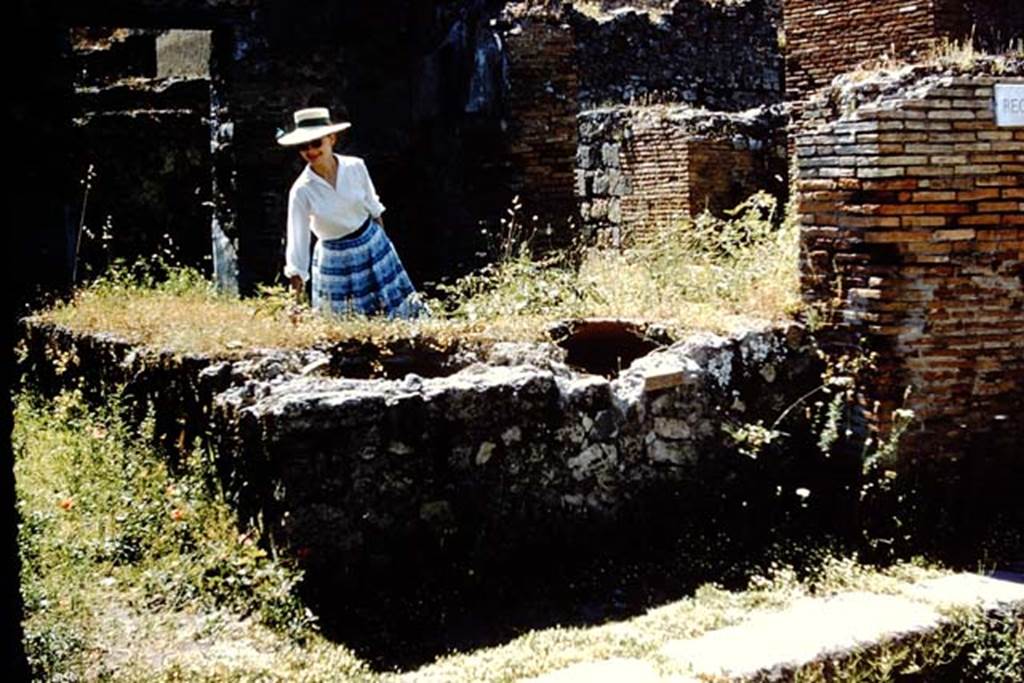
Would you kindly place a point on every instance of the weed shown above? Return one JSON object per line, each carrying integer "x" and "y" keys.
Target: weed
{"x": 109, "y": 535}
{"x": 751, "y": 438}
{"x": 971, "y": 647}
{"x": 710, "y": 273}
{"x": 90, "y": 176}
{"x": 710, "y": 607}
{"x": 119, "y": 556}
{"x": 994, "y": 648}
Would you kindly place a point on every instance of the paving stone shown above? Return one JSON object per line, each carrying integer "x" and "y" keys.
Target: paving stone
{"x": 811, "y": 629}
{"x": 987, "y": 592}
{"x": 617, "y": 670}
{"x": 816, "y": 628}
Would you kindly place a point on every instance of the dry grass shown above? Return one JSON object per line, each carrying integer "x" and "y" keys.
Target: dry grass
{"x": 708, "y": 274}
{"x": 201, "y": 321}
{"x": 713, "y": 274}
{"x": 945, "y": 53}
{"x": 186, "y": 315}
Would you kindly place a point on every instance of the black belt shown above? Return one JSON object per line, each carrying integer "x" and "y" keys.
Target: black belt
{"x": 359, "y": 231}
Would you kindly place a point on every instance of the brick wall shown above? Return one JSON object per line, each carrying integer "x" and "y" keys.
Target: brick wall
{"x": 655, "y": 162}
{"x": 659, "y": 83}
{"x": 825, "y": 38}
{"x": 641, "y": 167}
{"x": 913, "y": 229}
{"x": 724, "y": 172}
{"x": 542, "y": 87}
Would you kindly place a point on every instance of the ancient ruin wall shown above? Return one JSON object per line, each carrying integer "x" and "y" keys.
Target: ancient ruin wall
{"x": 641, "y": 167}
{"x": 457, "y": 106}
{"x": 424, "y": 84}
{"x": 183, "y": 54}
{"x": 726, "y": 171}
{"x": 100, "y": 53}
{"x": 142, "y": 148}
{"x": 496, "y": 457}
{"x": 655, "y": 163}
{"x": 826, "y": 38}
{"x": 542, "y": 89}
{"x": 722, "y": 56}
{"x": 913, "y": 233}
{"x": 475, "y": 467}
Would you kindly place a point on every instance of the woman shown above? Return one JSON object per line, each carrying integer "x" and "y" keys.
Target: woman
{"x": 355, "y": 266}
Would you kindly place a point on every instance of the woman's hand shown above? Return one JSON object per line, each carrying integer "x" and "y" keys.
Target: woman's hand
{"x": 298, "y": 287}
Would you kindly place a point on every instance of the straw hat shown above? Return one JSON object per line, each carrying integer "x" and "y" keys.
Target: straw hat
{"x": 310, "y": 124}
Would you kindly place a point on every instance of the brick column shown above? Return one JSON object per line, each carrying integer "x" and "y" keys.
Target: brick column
{"x": 543, "y": 82}
{"x": 913, "y": 233}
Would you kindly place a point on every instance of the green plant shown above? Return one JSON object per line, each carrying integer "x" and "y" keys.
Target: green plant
{"x": 994, "y": 647}
{"x": 519, "y": 285}
{"x": 718, "y": 259}
{"x": 751, "y": 438}
{"x": 54, "y": 648}
{"x": 107, "y": 526}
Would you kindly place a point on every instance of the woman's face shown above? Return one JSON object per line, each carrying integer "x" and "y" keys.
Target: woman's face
{"x": 319, "y": 149}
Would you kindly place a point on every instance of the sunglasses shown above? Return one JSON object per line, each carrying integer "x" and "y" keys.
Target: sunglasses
{"x": 312, "y": 144}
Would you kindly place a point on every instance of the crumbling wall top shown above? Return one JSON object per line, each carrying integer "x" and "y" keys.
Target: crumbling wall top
{"x": 890, "y": 85}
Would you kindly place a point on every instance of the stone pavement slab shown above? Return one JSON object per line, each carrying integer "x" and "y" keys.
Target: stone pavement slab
{"x": 972, "y": 590}
{"x": 812, "y": 629}
{"x": 618, "y": 670}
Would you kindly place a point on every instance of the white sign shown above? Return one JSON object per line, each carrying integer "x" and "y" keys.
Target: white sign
{"x": 1009, "y": 105}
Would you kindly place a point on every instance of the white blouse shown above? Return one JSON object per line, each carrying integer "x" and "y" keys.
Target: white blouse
{"x": 328, "y": 212}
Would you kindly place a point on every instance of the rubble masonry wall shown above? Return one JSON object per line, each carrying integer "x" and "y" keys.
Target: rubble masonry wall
{"x": 638, "y": 168}
{"x": 714, "y": 55}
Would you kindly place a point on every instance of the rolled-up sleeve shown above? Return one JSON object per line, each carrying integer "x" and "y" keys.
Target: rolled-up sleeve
{"x": 373, "y": 204}
{"x": 296, "y": 253}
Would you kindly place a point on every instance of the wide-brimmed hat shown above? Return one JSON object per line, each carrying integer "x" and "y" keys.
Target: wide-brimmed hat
{"x": 310, "y": 124}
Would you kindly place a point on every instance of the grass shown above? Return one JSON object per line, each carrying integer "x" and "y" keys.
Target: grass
{"x": 945, "y": 53}
{"x": 710, "y": 608}
{"x": 132, "y": 572}
{"x": 710, "y": 274}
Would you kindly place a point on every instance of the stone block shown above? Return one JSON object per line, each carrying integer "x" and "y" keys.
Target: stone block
{"x": 610, "y": 155}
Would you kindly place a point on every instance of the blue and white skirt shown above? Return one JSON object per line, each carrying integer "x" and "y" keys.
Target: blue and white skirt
{"x": 363, "y": 275}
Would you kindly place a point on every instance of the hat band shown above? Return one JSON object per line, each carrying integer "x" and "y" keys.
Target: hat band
{"x": 312, "y": 123}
